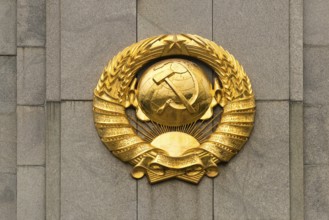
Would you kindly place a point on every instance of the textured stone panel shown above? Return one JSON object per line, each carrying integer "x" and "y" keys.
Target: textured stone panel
{"x": 94, "y": 184}
{"x": 187, "y": 16}
{"x": 255, "y": 184}
{"x": 7, "y": 27}
{"x": 91, "y": 33}
{"x": 316, "y": 75}
{"x": 31, "y": 193}
{"x": 7, "y": 196}
{"x": 8, "y": 142}
{"x": 53, "y": 160}
{"x": 316, "y": 128}
{"x": 296, "y": 161}
{"x": 175, "y": 199}
{"x": 31, "y": 22}
{"x": 31, "y": 135}
{"x": 53, "y": 64}
{"x": 257, "y": 34}
{"x": 296, "y": 50}
{"x": 316, "y": 25}
{"x": 316, "y": 192}
{"x": 7, "y": 84}
{"x": 31, "y": 76}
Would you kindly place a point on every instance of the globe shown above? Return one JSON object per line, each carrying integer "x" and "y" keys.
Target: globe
{"x": 174, "y": 92}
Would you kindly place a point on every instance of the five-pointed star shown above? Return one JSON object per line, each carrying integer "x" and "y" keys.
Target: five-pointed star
{"x": 174, "y": 43}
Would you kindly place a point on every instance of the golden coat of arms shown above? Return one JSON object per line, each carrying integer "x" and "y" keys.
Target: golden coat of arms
{"x": 177, "y": 129}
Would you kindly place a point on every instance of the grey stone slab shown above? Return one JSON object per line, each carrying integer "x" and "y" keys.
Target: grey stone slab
{"x": 53, "y": 160}
{"x": 316, "y": 75}
{"x": 31, "y": 22}
{"x": 7, "y": 27}
{"x": 92, "y": 32}
{"x": 8, "y": 143}
{"x": 296, "y": 50}
{"x": 186, "y": 16}
{"x": 316, "y": 128}
{"x": 7, "y": 196}
{"x": 94, "y": 184}
{"x": 31, "y": 193}
{"x": 53, "y": 54}
{"x": 255, "y": 183}
{"x": 316, "y": 25}
{"x": 316, "y": 192}
{"x": 175, "y": 200}
{"x": 31, "y": 76}
{"x": 31, "y": 136}
{"x": 296, "y": 161}
{"x": 257, "y": 34}
{"x": 7, "y": 84}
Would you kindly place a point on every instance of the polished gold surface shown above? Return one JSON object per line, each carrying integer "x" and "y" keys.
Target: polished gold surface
{"x": 171, "y": 135}
{"x": 173, "y": 92}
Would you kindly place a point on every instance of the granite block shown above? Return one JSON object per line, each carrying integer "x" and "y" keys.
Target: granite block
{"x": 296, "y": 161}
{"x": 92, "y": 32}
{"x": 31, "y": 193}
{"x": 7, "y": 27}
{"x": 316, "y": 192}
{"x": 7, "y": 196}
{"x": 31, "y": 22}
{"x": 31, "y": 76}
{"x": 316, "y": 105}
{"x": 316, "y": 25}
{"x": 186, "y": 16}
{"x": 296, "y": 50}
{"x": 53, "y": 160}
{"x": 31, "y": 135}
{"x": 316, "y": 75}
{"x": 94, "y": 184}
{"x": 7, "y": 84}
{"x": 255, "y": 183}
{"x": 316, "y": 127}
{"x": 8, "y": 143}
{"x": 175, "y": 199}
{"x": 53, "y": 72}
{"x": 256, "y": 33}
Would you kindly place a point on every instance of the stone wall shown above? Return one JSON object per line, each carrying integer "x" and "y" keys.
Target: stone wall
{"x": 52, "y": 163}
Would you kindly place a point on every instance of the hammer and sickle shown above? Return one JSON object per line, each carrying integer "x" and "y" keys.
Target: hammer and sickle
{"x": 163, "y": 76}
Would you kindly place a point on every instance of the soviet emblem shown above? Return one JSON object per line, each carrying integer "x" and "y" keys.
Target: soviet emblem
{"x": 174, "y": 131}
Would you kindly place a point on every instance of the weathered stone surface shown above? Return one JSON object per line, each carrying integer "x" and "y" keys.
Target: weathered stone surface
{"x": 316, "y": 192}
{"x": 8, "y": 143}
{"x": 175, "y": 200}
{"x": 316, "y": 25}
{"x": 53, "y": 76}
{"x": 316, "y": 128}
{"x": 257, "y": 34}
{"x": 31, "y": 193}
{"x": 7, "y": 27}
{"x": 316, "y": 75}
{"x": 31, "y": 76}
{"x": 53, "y": 160}
{"x": 91, "y": 33}
{"x": 158, "y": 17}
{"x": 7, "y": 196}
{"x": 7, "y": 84}
{"x": 296, "y": 161}
{"x": 255, "y": 184}
{"x": 94, "y": 184}
{"x": 296, "y": 50}
{"x": 31, "y": 135}
{"x": 31, "y": 22}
